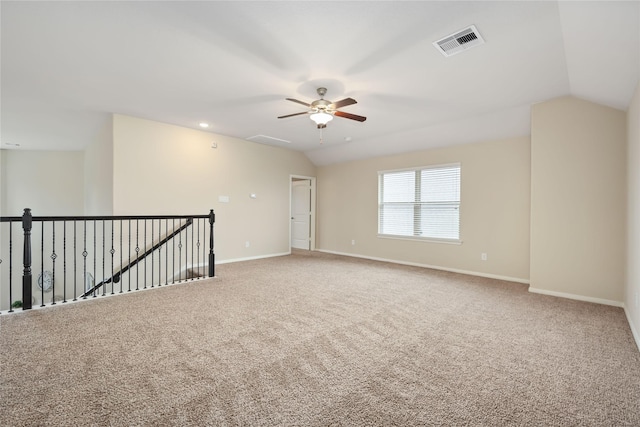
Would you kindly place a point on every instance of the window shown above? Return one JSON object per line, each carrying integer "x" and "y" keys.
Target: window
{"x": 420, "y": 203}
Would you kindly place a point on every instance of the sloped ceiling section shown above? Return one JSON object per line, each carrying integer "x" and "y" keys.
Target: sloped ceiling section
{"x": 602, "y": 50}
{"x": 66, "y": 66}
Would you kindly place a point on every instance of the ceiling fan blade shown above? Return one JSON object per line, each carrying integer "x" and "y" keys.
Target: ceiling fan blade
{"x": 345, "y": 102}
{"x": 299, "y": 102}
{"x": 291, "y": 115}
{"x": 350, "y": 116}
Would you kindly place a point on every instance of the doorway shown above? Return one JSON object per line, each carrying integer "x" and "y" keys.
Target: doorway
{"x": 302, "y": 229}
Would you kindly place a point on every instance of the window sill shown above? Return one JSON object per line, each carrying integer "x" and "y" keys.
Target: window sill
{"x": 421, "y": 239}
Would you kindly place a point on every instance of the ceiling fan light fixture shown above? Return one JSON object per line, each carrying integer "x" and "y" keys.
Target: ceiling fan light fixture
{"x": 321, "y": 117}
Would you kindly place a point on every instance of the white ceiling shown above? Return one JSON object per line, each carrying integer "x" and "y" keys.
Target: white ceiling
{"x": 67, "y": 65}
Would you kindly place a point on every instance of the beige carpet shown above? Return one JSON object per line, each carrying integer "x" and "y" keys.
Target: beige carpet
{"x": 315, "y": 340}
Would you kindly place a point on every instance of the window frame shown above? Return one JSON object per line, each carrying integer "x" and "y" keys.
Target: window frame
{"x": 417, "y": 204}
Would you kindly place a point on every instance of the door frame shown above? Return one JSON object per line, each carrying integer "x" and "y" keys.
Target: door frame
{"x": 312, "y": 217}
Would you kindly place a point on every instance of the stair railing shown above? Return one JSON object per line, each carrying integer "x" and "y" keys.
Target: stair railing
{"x": 126, "y": 252}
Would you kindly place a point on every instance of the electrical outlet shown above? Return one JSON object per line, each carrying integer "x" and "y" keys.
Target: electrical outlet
{"x": 353, "y": 242}
{"x": 247, "y": 244}
{"x": 483, "y": 256}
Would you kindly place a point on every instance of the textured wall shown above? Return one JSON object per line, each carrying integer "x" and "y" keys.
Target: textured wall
{"x": 48, "y": 182}
{"x": 578, "y": 199}
{"x": 632, "y": 294}
{"x": 166, "y": 169}
{"x": 494, "y": 212}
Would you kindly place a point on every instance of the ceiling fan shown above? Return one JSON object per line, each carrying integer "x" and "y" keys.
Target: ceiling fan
{"x": 322, "y": 111}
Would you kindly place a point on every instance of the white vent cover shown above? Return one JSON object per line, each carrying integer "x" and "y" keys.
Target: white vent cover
{"x": 459, "y": 41}
{"x": 264, "y": 139}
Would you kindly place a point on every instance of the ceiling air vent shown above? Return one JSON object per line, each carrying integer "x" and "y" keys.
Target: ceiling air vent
{"x": 264, "y": 139}
{"x": 459, "y": 41}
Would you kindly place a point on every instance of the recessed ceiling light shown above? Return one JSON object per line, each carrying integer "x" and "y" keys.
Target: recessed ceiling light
{"x": 348, "y": 138}
{"x": 204, "y": 125}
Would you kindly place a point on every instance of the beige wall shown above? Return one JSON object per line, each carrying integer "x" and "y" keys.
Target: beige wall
{"x": 98, "y": 173}
{"x": 632, "y": 294}
{"x": 578, "y": 199}
{"x": 48, "y": 182}
{"x": 494, "y": 209}
{"x": 51, "y": 184}
{"x": 166, "y": 169}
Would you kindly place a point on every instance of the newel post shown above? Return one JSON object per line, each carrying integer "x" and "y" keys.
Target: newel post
{"x": 26, "y": 275}
{"x": 212, "y": 256}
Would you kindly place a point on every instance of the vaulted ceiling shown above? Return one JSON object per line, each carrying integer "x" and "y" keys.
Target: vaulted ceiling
{"x": 66, "y": 66}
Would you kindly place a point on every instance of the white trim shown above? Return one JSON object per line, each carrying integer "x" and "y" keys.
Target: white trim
{"x": 576, "y": 297}
{"x": 433, "y": 166}
{"x": 634, "y": 332}
{"x": 433, "y": 267}
{"x": 421, "y": 239}
{"x": 99, "y": 297}
{"x": 228, "y": 261}
{"x": 204, "y": 265}
{"x": 418, "y": 203}
{"x": 312, "y": 238}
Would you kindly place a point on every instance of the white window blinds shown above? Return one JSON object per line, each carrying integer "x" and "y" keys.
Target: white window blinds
{"x": 420, "y": 203}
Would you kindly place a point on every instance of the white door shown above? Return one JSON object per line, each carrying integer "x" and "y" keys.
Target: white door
{"x": 301, "y": 214}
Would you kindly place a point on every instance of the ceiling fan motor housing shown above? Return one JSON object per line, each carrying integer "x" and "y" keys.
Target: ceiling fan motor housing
{"x": 322, "y": 105}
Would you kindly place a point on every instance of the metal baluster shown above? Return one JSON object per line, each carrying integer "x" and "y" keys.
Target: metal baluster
{"x": 84, "y": 256}
{"x": 129, "y": 259}
{"x": 173, "y": 254}
{"x": 192, "y": 230}
{"x": 41, "y": 278}
{"x": 104, "y": 285}
{"x": 53, "y": 267}
{"x": 95, "y": 257}
{"x": 152, "y": 259}
{"x": 112, "y": 251}
{"x": 137, "y": 251}
{"x": 186, "y": 252}
{"x": 64, "y": 261}
{"x": 120, "y": 256}
{"x": 180, "y": 256}
{"x": 204, "y": 245}
{"x": 159, "y": 252}
{"x": 166, "y": 254}
{"x": 145, "y": 258}
{"x": 75, "y": 269}
{"x": 198, "y": 245}
{"x": 10, "y": 267}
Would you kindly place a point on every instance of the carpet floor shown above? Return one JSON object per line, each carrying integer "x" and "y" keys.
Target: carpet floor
{"x": 314, "y": 339}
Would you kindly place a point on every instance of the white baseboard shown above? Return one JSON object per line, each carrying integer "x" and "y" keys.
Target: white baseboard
{"x": 227, "y": 261}
{"x": 434, "y": 267}
{"x": 634, "y": 331}
{"x": 100, "y": 297}
{"x": 576, "y": 297}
